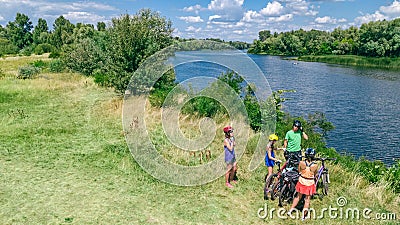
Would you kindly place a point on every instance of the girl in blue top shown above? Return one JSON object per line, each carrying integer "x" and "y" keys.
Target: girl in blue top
{"x": 270, "y": 154}
{"x": 230, "y": 158}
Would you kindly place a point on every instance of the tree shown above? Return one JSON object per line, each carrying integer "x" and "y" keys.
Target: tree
{"x": 130, "y": 40}
{"x": 86, "y": 52}
{"x": 264, "y": 35}
{"x": 63, "y": 29}
{"x": 41, "y": 32}
{"x": 101, "y": 26}
{"x": 18, "y": 32}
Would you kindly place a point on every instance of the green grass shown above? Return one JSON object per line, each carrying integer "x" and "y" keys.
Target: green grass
{"x": 353, "y": 60}
{"x": 64, "y": 160}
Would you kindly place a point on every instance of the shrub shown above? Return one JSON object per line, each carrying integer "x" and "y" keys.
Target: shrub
{"x": 27, "y": 51}
{"x": 56, "y": 66}
{"x": 43, "y": 48}
{"x": 40, "y": 64}
{"x": 27, "y": 72}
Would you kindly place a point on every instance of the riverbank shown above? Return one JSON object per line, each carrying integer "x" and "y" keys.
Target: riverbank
{"x": 354, "y": 60}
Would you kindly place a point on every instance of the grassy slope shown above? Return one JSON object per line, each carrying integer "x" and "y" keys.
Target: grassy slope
{"x": 63, "y": 159}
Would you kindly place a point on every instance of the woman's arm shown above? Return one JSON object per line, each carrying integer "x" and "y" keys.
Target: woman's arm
{"x": 228, "y": 144}
{"x": 269, "y": 154}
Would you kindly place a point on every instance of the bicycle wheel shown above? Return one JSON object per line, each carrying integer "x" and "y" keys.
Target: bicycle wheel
{"x": 283, "y": 195}
{"x": 325, "y": 184}
{"x": 268, "y": 185}
{"x": 276, "y": 188}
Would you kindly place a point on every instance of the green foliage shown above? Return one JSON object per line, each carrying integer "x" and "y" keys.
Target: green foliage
{"x": 233, "y": 80}
{"x": 161, "y": 88}
{"x": 253, "y": 108}
{"x": 63, "y": 30}
{"x": 130, "y": 40}
{"x": 392, "y": 176}
{"x": 43, "y": 48}
{"x": 373, "y": 39}
{"x": 27, "y": 51}
{"x": 19, "y": 31}
{"x": 84, "y": 56}
{"x": 203, "y": 106}
{"x": 6, "y": 47}
{"x": 40, "y": 33}
{"x": 40, "y": 64}
{"x": 56, "y": 66}
{"x": 27, "y": 72}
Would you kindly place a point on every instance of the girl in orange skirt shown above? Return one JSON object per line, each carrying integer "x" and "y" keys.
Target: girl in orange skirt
{"x": 306, "y": 185}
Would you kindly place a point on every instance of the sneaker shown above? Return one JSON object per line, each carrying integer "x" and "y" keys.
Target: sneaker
{"x": 235, "y": 181}
{"x": 228, "y": 185}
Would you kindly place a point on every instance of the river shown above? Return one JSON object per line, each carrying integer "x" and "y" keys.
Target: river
{"x": 363, "y": 104}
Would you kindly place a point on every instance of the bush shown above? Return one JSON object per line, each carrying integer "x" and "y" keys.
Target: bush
{"x": 6, "y": 47}
{"x": 27, "y": 72}
{"x": 55, "y": 53}
{"x": 27, "y": 51}
{"x": 43, "y": 48}
{"x": 56, "y": 66}
{"x": 40, "y": 64}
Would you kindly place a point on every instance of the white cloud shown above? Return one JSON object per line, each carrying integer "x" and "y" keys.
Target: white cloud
{"x": 325, "y": 20}
{"x": 213, "y": 17}
{"x": 217, "y": 5}
{"x": 191, "y": 19}
{"x": 393, "y": 9}
{"x": 370, "y": 17}
{"x": 238, "y": 31}
{"x": 192, "y": 29}
{"x": 273, "y": 9}
{"x": 283, "y": 18}
{"x": 1, "y": 18}
{"x": 251, "y": 16}
{"x": 195, "y": 8}
{"x": 83, "y": 16}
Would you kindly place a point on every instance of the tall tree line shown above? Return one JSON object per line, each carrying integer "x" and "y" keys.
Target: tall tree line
{"x": 373, "y": 39}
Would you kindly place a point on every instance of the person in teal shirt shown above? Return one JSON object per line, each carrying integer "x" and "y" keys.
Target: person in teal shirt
{"x": 292, "y": 142}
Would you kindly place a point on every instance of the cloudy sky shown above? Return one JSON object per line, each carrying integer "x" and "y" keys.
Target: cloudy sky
{"x": 226, "y": 19}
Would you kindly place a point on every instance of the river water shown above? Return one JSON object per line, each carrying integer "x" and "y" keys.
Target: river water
{"x": 363, "y": 104}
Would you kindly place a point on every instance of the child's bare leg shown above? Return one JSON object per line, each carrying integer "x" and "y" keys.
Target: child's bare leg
{"x": 296, "y": 201}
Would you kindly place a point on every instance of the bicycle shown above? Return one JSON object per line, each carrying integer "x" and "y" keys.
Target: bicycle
{"x": 324, "y": 174}
{"x": 277, "y": 181}
{"x": 270, "y": 182}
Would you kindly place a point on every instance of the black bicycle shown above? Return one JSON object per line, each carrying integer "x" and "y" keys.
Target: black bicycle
{"x": 270, "y": 186}
{"x": 322, "y": 178}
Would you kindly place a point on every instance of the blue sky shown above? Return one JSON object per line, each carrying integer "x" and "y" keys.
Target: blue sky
{"x": 225, "y": 19}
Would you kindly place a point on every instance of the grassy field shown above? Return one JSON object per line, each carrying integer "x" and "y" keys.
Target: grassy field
{"x": 64, "y": 160}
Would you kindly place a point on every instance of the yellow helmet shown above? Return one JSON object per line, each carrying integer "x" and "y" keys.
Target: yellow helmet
{"x": 273, "y": 137}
